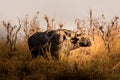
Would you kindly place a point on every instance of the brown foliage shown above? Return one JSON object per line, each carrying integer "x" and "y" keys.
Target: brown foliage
{"x": 11, "y": 36}
{"x": 101, "y": 61}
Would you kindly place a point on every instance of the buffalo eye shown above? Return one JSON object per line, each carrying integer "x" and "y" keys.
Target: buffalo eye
{"x": 68, "y": 34}
{"x": 64, "y": 37}
{"x": 78, "y": 34}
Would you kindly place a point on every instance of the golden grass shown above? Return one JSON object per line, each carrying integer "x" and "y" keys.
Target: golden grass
{"x": 85, "y": 63}
{"x": 19, "y": 65}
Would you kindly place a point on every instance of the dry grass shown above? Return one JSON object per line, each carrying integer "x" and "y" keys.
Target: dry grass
{"x": 19, "y": 65}
{"x": 101, "y": 61}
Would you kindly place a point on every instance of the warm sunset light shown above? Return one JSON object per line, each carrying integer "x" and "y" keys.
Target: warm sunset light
{"x": 59, "y": 40}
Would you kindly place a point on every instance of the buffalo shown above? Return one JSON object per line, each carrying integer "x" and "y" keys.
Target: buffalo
{"x": 54, "y": 41}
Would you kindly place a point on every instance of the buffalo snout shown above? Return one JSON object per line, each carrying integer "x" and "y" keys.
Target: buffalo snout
{"x": 85, "y": 42}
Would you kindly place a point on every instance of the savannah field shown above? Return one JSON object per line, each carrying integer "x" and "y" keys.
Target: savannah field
{"x": 100, "y": 61}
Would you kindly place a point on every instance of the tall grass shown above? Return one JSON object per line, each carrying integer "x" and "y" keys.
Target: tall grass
{"x": 19, "y": 65}
{"x": 101, "y": 61}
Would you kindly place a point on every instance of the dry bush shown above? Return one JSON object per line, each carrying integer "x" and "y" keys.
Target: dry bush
{"x": 50, "y": 23}
{"x": 12, "y": 34}
{"x": 30, "y": 26}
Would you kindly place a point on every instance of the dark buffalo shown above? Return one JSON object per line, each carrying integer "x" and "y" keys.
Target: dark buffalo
{"x": 39, "y": 41}
{"x": 54, "y": 41}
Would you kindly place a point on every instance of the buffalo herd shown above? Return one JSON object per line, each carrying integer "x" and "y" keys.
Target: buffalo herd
{"x": 53, "y": 41}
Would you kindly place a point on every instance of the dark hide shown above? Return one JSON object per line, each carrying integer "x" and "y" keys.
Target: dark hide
{"x": 38, "y": 43}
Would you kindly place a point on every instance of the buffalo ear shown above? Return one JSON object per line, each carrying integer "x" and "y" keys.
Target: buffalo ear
{"x": 74, "y": 40}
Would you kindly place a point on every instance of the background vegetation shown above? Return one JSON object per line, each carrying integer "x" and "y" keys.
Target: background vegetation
{"x": 101, "y": 61}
